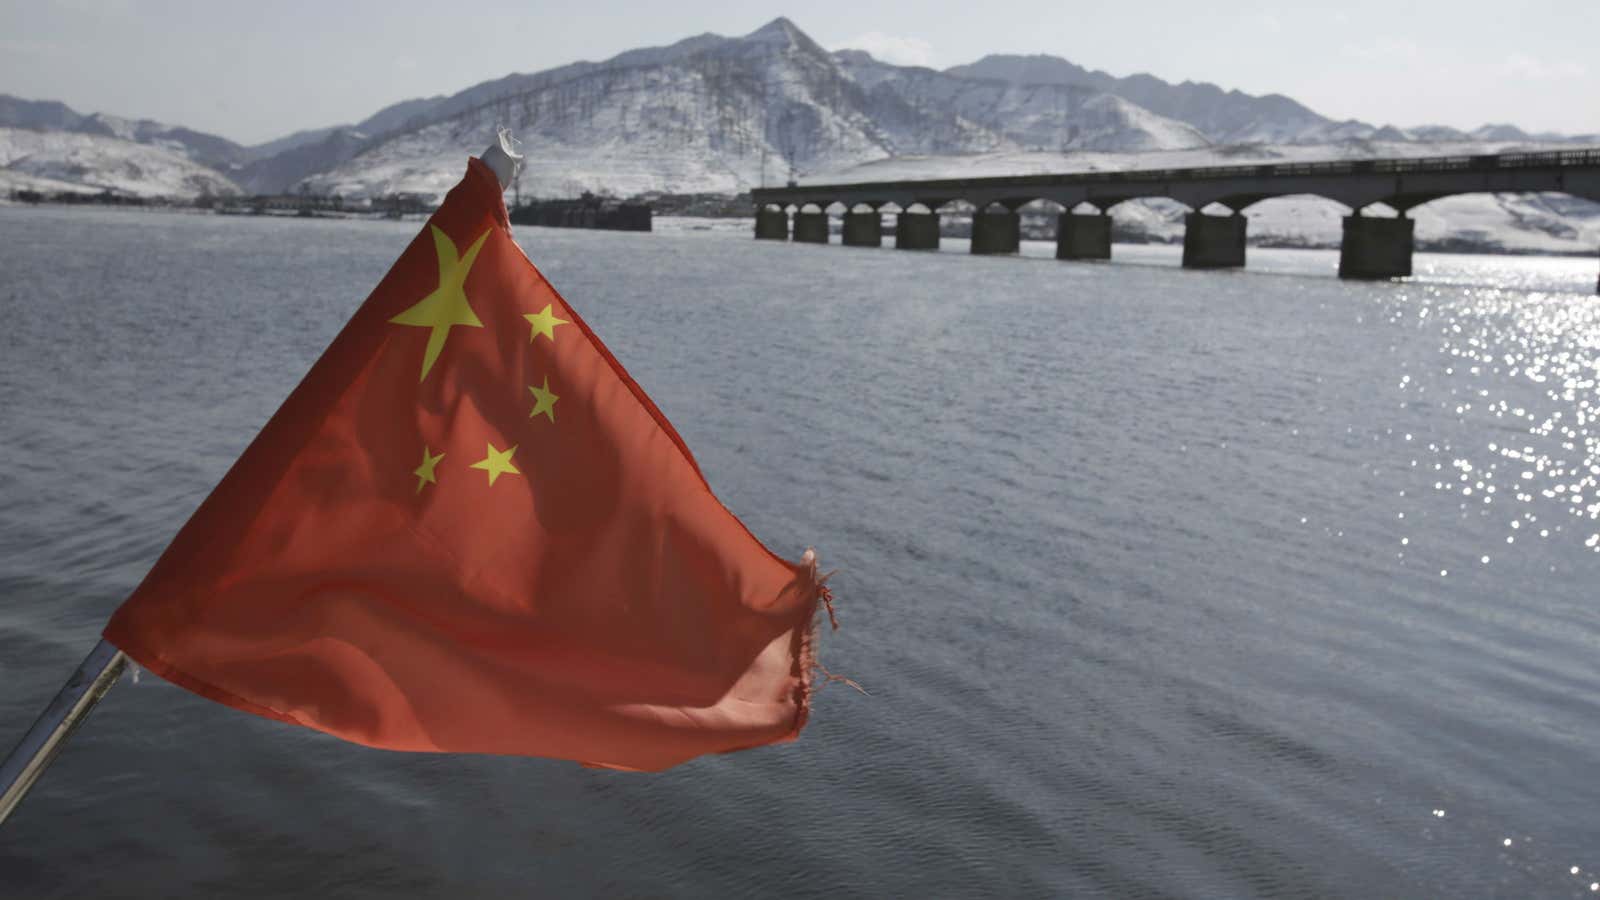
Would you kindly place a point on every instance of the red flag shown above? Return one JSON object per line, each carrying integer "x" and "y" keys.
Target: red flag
{"x": 469, "y": 530}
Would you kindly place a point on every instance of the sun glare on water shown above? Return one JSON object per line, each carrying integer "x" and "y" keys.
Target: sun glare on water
{"x": 1527, "y": 366}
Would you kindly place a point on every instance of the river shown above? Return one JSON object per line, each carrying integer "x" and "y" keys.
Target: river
{"x": 1160, "y": 583}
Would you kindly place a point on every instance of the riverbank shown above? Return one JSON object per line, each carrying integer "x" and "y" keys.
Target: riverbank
{"x": 1268, "y": 229}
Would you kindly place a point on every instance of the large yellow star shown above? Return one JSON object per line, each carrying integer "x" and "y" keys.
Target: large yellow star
{"x": 447, "y": 306}
{"x": 544, "y": 322}
{"x": 497, "y": 463}
{"x": 424, "y": 472}
{"x": 544, "y": 400}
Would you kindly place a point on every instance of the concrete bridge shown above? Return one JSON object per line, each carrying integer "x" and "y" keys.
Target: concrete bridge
{"x": 1373, "y": 246}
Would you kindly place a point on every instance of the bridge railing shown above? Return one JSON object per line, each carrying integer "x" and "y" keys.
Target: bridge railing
{"x": 1588, "y": 157}
{"x": 1457, "y": 163}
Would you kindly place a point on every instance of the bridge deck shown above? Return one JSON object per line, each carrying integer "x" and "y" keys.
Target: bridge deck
{"x": 1402, "y": 183}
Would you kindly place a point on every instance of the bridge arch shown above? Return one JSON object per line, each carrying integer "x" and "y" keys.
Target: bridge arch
{"x": 1403, "y": 204}
{"x": 1107, "y": 203}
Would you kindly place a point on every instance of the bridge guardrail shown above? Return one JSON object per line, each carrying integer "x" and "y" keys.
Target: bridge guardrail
{"x": 1488, "y": 162}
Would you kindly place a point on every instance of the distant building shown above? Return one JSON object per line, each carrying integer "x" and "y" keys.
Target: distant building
{"x": 298, "y": 202}
{"x": 588, "y": 211}
{"x": 397, "y": 205}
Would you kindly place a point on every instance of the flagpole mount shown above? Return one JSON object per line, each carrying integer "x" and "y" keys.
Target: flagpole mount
{"x": 59, "y": 720}
{"x": 503, "y": 158}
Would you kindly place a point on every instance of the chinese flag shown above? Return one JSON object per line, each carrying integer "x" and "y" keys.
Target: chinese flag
{"x": 468, "y": 530}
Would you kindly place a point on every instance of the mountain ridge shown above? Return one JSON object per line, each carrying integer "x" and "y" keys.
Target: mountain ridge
{"x": 773, "y": 95}
{"x": 1226, "y": 116}
{"x": 1221, "y": 115}
{"x": 715, "y": 114}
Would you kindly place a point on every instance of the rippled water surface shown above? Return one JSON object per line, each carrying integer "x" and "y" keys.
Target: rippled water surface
{"x": 1161, "y": 582}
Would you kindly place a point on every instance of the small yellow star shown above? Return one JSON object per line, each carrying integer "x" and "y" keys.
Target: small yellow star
{"x": 544, "y": 401}
{"x": 497, "y": 463}
{"x": 544, "y": 322}
{"x": 424, "y": 472}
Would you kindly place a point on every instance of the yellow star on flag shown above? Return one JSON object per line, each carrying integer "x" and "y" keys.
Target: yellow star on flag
{"x": 447, "y": 306}
{"x": 544, "y": 322}
{"x": 497, "y": 463}
{"x": 544, "y": 400}
{"x": 424, "y": 472}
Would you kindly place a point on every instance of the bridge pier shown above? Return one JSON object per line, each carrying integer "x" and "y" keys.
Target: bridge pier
{"x": 811, "y": 227}
{"x": 1213, "y": 242}
{"x": 772, "y": 225}
{"x": 1083, "y": 237}
{"x": 1376, "y": 248}
{"x": 863, "y": 229}
{"x": 996, "y": 232}
{"x": 916, "y": 231}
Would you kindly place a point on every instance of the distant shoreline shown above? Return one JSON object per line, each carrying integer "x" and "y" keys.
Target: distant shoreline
{"x": 1452, "y": 246}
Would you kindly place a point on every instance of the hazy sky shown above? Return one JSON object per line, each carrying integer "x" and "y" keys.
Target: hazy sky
{"x": 256, "y": 71}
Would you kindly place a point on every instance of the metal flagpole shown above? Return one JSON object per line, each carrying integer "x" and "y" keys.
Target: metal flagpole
{"x": 59, "y": 720}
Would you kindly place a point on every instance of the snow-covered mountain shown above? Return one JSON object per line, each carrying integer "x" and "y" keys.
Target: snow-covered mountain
{"x": 48, "y": 115}
{"x": 710, "y": 113}
{"x": 721, "y": 114}
{"x": 77, "y": 162}
{"x": 1224, "y": 117}
{"x": 1228, "y": 117}
{"x": 714, "y": 114}
{"x": 1025, "y": 115}
{"x": 265, "y": 168}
